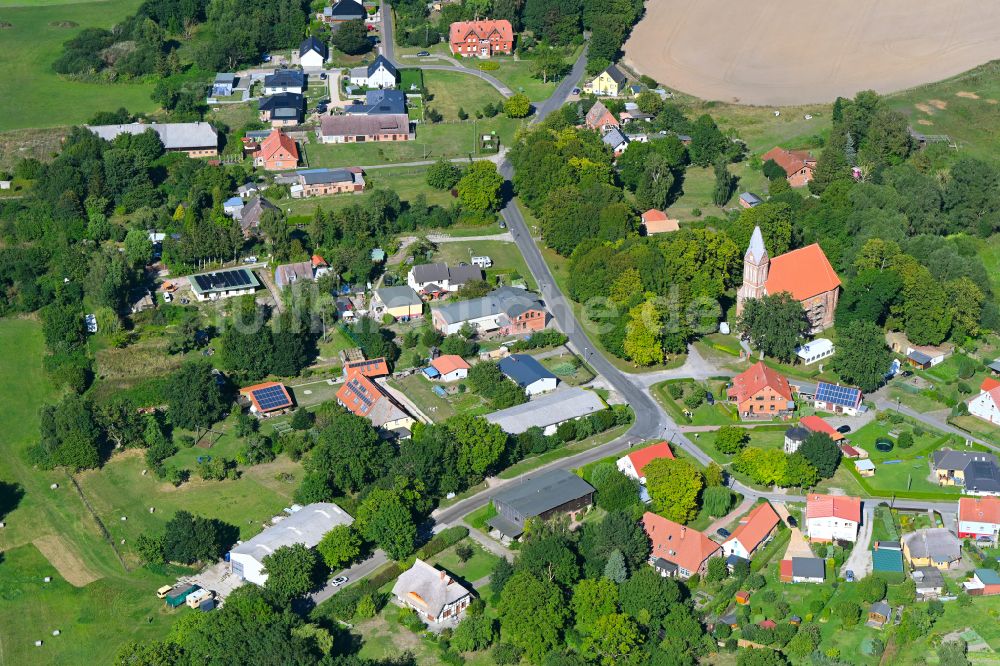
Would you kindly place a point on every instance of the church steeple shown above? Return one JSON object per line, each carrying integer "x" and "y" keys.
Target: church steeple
{"x": 755, "y": 268}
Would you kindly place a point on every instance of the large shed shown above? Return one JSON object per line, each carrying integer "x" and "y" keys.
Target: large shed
{"x": 542, "y": 496}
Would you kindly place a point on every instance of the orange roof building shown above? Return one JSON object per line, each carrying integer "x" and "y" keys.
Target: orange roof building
{"x": 267, "y": 398}
{"x": 656, "y": 222}
{"x": 805, "y": 273}
{"x": 678, "y": 551}
{"x": 979, "y": 518}
{"x": 375, "y": 367}
{"x": 761, "y": 392}
{"x": 798, "y": 164}
{"x": 450, "y": 367}
{"x": 755, "y": 529}
{"x": 817, "y": 424}
{"x": 363, "y": 397}
{"x": 633, "y": 464}
{"x": 481, "y": 38}
{"x": 277, "y": 152}
{"x": 832, "y": 517}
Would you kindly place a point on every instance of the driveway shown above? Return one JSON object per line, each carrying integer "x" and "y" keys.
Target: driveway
{"x": 354, "y": 574}
{"x": 860, "y": 560}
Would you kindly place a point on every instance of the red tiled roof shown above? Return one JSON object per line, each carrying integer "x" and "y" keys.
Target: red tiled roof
{"x": 786, "y": 569}
{"x": 653, "y": 215}
{"x": 375, "y": 367}
{"x": 459, "y": 30}
{"x": 791, "y": 161}
{"x": 979, "y": 509}
{"x": 803, "y": 273}
{"x": 755, "y": 526}
{"x": 275, "y": 142}
{"x": 833, "y": 506}
{"x": 755, "y": 378}
{"x": 318, "y": 261}
{"x": 816, "y": 424}
{"x": 989, "y": 384}
{"x": 449, "y": 363}
{"x": 359, "y": 394}
{"x": 643, "y": 457}
{"x": 685, "y": 547}
{"x": 849, "y": 451}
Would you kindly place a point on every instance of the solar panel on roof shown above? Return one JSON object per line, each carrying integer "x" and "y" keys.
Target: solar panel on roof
{"x": 223, "y": 280}
{"x": 839, "y": 395}
{"x": 271, "y": 397}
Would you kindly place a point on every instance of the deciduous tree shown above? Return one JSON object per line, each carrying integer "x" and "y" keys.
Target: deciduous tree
{"x": 674, "y": 486}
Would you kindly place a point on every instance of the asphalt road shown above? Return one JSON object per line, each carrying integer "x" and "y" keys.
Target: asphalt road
{"x": 388, "y": 43}
{"x": 354, "y": 574}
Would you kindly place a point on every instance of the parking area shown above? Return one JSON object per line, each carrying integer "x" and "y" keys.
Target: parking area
{"x": 218, "y": 579}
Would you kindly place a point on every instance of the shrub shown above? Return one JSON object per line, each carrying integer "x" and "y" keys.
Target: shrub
{"x": 506, "y": 654}
{"x": 444, "y": 539}
{"x": 905, "y": 440}
{"x": 488, "y": 65}
{"x": 676, "y": 391}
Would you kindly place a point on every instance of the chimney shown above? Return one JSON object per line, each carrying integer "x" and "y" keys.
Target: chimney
{"x": 683, "y": 531}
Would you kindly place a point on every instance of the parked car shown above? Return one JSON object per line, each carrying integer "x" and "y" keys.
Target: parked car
{"x": 323, "y": 76}
{"x": 338, "y": 581}
{"x": 249, "y": 260}
{"x": 907, "y": 373}
{"x": 423, "y": 54}
{"x": 503, "y": 225}
{"x": 163, "y": 591}
{"x": 723, "y": 532}
{"x": 168, "y": 297}
{"x": 850, "y": 576}
{"x": 844, "y": 429}
{"x": 576, "y": 91}
{"x": 792, "y": 522}
{"x": 710, "y": 398}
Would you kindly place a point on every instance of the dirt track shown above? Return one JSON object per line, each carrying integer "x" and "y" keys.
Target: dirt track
{"x": 781, "y": 52}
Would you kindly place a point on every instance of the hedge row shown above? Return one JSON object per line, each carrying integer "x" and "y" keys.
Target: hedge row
{"x": 443, "y": 539}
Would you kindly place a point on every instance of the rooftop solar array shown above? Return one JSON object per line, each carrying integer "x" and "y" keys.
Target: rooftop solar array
{"x": 838, "y": 395}
{"x": 366, "y": 366}
{"x": 271, "y": 397}
{"x": 360, "y": 394}
{"x": 224, "y": 280}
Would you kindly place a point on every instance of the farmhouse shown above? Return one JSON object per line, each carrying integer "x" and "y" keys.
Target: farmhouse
{"x": 320, "y": 182}
{"x": 528, "y": 373}
{"x": 932, "y": 547}
{"x": 832, "y": 517}
{"x": 761, "y": 392}
{"x": 267, "y": 399}
{"x": 277, "y": 152}
{"x": 281, "y": 110}
{"x": 805, "y": 273}
{"x": 802, "y": 570}
{"x": 378, "y": 103}
{"x": 432, "y": 593}
{"x": 448, "y": 368}
{"x": 379, "y": 74}
{"x": 439, "y": 278}
{"x": 363, "y": 397}
{"x": 341, "y": 11}
{"x": 543, "y": 496}
{"x": 360, "y": 129}
{"x": 548, "y": 411}
{"x": 223, "y": 284}
{"x": 979, "y": 518}
{"x": 632, "y": 464}
{"x": 755, "y": 529}
{"x": 313, "y": 53}
{"x": 599, "y": 118}
{"x": 975, "y": 471}
{"x": 838, "y": 399}
{"x": 194, "y": 139}
{"x": 657, "y": 222}
{"x": 286, "y": 275}
{"x": 609, "y": 83}
{"x": 284, "y": 80}
{"x": 482, "y": 39}
{"x": 306, "y": 526}
{"x": 615, "y": 140}
{"x": 503, "y": 311}
{"x": 678, "y": 551}
{"x": 250, "y": 215}
{"x": 401, "y": 302}
{"x": 798, "y": 164}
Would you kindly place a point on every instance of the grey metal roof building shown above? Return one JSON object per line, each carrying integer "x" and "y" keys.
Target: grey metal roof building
{"x": 808, "y": 567}
{"x": 523, "y": 370}
{"x": 379, "y": 102}
{"x": 282, "y": 105}
{"x": 393, "y": 297}
{"x": 616, "y": 74}
{"x": 980, "y": 473}
{"x": 320, "y": 176}
{"x": 540, "y": 496}
{"x": 505, "y": 300}
{"x": 936, "y": 544}
{"x": 548, "y": 410}
{"x": 175, "y": 136}
{"x": 345, "y": 10}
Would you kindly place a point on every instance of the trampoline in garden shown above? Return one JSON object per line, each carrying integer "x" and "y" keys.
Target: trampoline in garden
{"x": 884, "y": 445}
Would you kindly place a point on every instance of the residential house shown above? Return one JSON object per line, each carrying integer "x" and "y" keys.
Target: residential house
{"x": 754, "y": 530}
{"x": 931, "y": 547}
{"x": 305, "y": 526}
{"x": 815, "y": 351}
{"x": 286, "y": 275}
{"x": 341, "y": 11}
{"x": 797, "y": 164}
{"x": 362, "y": 129}
{"x": 251, "y": 214}
{"x": 277, "y": 152}
{"x": 432, "y": 593}
{"x": 504, "y": 311}
{"x": 193, "y": 139}
{"x": 321, "y": 182}
{"x": 761, "y": 392}
{"x": 548, "y": 411}
{"x": 832, "y": 517}
{"x": 528, "y": 373}
{"x": 223, "y": 84}
{"x": 634, "y": 463}
{"x": 370, "y": 368}
{"x": 379, "y": 74}
{"x": 805, "y": 273}
{"x": 439, "y": 278}
{"x": 657, "y": 222}
{"x": 285, "y": 80}
{"x": 448, "y": 368}
{"x": 802, "y": 570}
{"x": 401, "y": 302}
{"x": 615, "y": 140}
{"x": 986, "y": 405}
{"x": 984, "y": 582}
{"x": 838, "y": 399}
{"x": 481, "y": 39}
{"x": 678, "y": 551}
{"x": 266, "y": 399}
{"x": 246, "y": 190}
{"x": 750, "y": 200}
{"x": 540, "y": 496}
{"x": 600, "y": 119}
{"x": 224, "y": 283}
{"x": 879, "y": 613}
{"x": 794, "y": 437}
{"x": 817, "y": 424}
{"x": 381, "y": 102}
{"x": 281, "y": 110}
{"x": 609, "y": 83}
{"x": 363, "y": 397}
{"x": 233, "y": 206}
{"x": 979, "y": 518}
{"x": 313, "y": 53}
{"x": 929, "y": 581}
{"x": 975, "y": 471}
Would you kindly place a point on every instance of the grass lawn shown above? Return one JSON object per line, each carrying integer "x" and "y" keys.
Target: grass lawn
{"x": 568, "y": 368}
{"x": 800, "y": 596}
{"x": 977, "y": 427}
{"x": 450, "y": 91}
{"x": 764, "y": 437}
{"x": 452, "y": 139}
{"x": 337, "y": 341}
{"x": 699, "y": 182}
{"x": 477, "y": 519}
{"x": 507, "y": 259}
{"x": 719, "y": 413}
{"x": 420, "y": 390}
{"x": 479, "y": 565}
{"x": 910, "y": 474}
{"x": 518, "y": 77}
{"x": 34, "y": 95}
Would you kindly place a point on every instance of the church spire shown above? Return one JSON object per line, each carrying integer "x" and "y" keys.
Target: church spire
{"x": 756, "y": 250}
